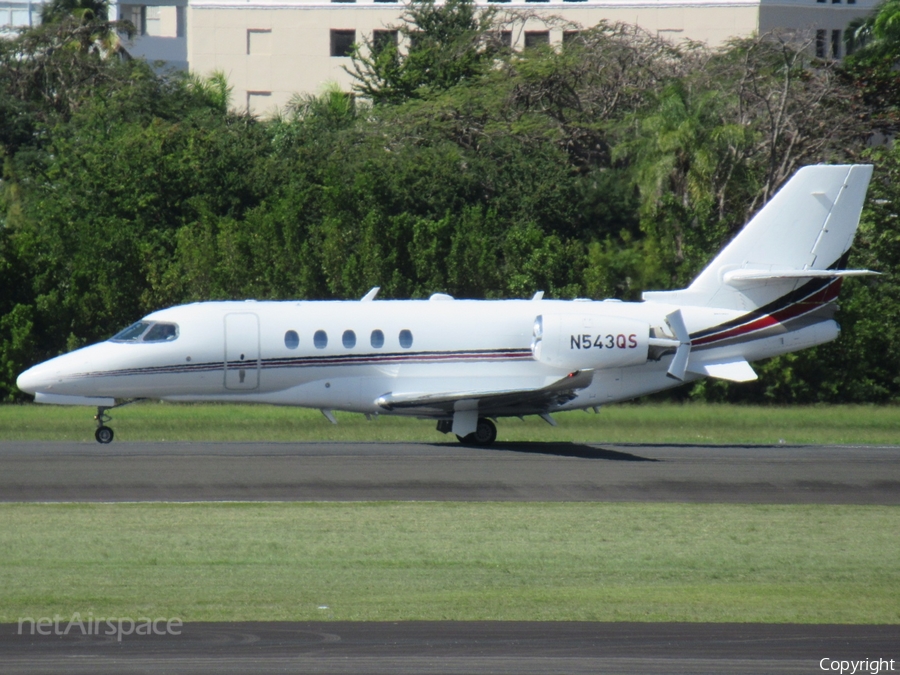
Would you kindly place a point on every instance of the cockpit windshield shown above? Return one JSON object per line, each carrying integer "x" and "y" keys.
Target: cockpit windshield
{"x": 147, "y": 331}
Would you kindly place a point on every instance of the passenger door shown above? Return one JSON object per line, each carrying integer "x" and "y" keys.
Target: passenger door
{"x": 241, "y": 351}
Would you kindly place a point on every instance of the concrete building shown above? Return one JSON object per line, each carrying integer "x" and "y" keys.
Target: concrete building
{"x": 16, "y": 14}
{"x": 272, "y": 49}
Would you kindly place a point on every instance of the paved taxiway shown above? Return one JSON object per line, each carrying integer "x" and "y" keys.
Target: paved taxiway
{"x": 423, "y": 648}
{"x": 409, "y": 471}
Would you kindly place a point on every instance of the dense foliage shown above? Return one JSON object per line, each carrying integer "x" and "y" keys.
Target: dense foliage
{"x": 615, "y": 164}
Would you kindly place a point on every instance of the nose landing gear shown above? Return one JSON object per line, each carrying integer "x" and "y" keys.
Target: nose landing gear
{"x": 104, "y": 434}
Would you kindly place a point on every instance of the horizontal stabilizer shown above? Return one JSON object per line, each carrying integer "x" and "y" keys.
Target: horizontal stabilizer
{"x": 736, "y": 371}
{"x": 541, "y": 398}
{"x": 749, "y": 275}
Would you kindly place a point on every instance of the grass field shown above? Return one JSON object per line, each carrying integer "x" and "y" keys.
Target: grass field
{"x": 656, "y": 423}
{"x": 404, "y": 561}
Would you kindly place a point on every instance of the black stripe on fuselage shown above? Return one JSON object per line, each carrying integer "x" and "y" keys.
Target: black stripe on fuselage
{"x": 324, "y": 360}
{"x": 779, "y": 304}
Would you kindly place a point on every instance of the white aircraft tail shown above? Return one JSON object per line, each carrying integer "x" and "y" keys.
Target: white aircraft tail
{"x": 796, "y": 243}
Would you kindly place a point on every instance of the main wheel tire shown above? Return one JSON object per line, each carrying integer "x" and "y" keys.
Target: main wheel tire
{"x": 485, "y": 434}
{"x": 104, "y": 435}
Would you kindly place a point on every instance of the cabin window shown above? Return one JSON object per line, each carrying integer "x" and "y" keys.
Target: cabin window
{"x": 406, "y": 339}
{"x": 377, "y": 339}
{"x": 349, "y": 339}
{"x": 291, "y": 339}
{"x": 320, "y": 339}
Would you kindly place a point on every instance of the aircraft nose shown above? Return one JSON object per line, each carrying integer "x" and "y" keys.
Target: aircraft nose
{"x": 35, "y": 379}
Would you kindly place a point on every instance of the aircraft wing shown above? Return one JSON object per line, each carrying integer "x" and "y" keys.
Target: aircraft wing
{"x": 507, "y": 402}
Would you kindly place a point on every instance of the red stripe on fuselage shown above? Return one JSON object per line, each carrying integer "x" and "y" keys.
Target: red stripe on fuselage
{"x": 808, "y": 304}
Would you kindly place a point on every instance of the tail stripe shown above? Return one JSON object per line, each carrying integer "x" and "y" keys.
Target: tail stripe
{"x": 808, "y": 298}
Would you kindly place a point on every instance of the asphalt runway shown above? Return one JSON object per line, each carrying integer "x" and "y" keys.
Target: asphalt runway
{"x": 448, "y": 472}
{"x": 400, "y": 471}
{"x": 425, "y": 648}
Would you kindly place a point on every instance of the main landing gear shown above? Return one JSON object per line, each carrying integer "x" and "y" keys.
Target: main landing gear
{"x": 485, "y": 432}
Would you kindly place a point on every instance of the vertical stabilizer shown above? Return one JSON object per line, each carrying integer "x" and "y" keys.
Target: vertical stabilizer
{"x": 802, "y": 233}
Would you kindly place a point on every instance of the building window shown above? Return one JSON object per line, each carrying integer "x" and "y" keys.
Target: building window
{"x": 291, "y": 339}
{"x": 320, "y": 339}
{"x": 377, "y": 339}
{"x": 382, "y": 39}
{"x": 259, "y": 41}
{"x": 258, "y": 102}
{"x": 534, "y": 38}
{"x": 342, "y": 42}
{"x": 851, "y": 43}
{"x": 406, "y": 339}
{"x": 134, "y": 14}
{"x": 349, "y": 339}
{"x": 570, "y": 37}
{"x": 820, "y": 44}
{"x": 152, "y": 21}
{"x": 836, "y": 44}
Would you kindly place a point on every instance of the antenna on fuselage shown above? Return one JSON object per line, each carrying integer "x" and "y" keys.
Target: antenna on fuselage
{"x": 368, "y": 297}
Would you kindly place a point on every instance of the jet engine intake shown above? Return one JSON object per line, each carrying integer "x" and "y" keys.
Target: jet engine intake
{"x": 587, "y": 342}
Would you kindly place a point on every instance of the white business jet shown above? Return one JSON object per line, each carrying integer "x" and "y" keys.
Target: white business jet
{"x": 464, "y": 363}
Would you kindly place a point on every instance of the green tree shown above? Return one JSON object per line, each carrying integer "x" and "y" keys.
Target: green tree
{"x": 873, "y": 46}
{"x": 86, "y": 11}
{"x": 445, "y": 44}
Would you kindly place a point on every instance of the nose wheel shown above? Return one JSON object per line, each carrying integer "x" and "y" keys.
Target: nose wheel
{"x": 104, "y": 434}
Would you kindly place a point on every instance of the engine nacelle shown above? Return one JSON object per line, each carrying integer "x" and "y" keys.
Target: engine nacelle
{"x": 582, "y": 341}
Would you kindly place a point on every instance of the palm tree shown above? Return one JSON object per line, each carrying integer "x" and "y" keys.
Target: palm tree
{"x": 876, "y": 34}
{"x": 83, "y": 10}
{"x": 87, "y": 25}
{"x": 873, "y": 45}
